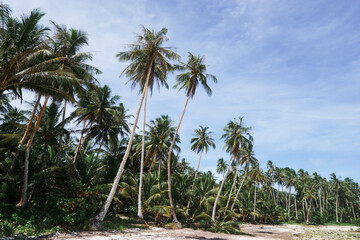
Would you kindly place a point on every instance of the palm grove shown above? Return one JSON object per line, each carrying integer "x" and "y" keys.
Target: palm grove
{"x": 78, "y": 176}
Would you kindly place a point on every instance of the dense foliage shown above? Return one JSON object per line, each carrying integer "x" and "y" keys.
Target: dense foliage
{"x": 57, "y": 177}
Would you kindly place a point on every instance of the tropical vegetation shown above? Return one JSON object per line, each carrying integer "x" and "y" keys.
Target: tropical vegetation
{"x": 82, "y": 169}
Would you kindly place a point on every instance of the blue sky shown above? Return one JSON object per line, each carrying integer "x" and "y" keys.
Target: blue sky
{"x": 290, "y": 68}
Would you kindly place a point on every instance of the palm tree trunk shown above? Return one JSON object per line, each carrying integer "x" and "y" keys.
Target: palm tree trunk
{"x": 23, "y": 200}
{"x": 255, "y": 202}
{"x": 98, "y": 152}
{"x": 336, "y": 206}
{"x": 26, "y": 132}
{"x": 80, "y": 140}
{"x": 81, "y": 143}
{"x": 63, "y": 119}
{"x": 96, "y": 222}
{"x": 308, "y": 214}
{"x": 168, "y": 162}
{"x": 140, "y": 214}
{"x": 303, "y": 210}
{"x": 192, "y": 187}
{"x": 296, "y": 213}
{"x": 320, "y": 202}
{"x": 289, "y": 202}
{"x": 238, "y": 191}
{"x": 219, "y": 192}
{"x": 353, "y": 210}
{"x": 153, "y": 161}
{"x": 232, "y": 187}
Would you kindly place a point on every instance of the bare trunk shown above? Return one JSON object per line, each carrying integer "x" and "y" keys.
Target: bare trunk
{"x": 192, "y": 187}
{"x": 140, "y": 214}
{"x": 23, "y": 200}
{"x": 26, "y": 132}
{"x": 98, "y": 152}
{"x": 81, "y": 143}
{"x": 241, "y": 184}
{"x": 232, "y": 187}
{"x": 320, "y": 202}
{"x": 219, "y": 192}
{"x": 255, "y": 202}
{"x": 96, "y": 222}
{"x": 289, "y": 202}
{"x": 308, "y": 213}
{"x": 63, "y": 119}
{"x": 303, "y": 210}
{"x": 168, "y": 163}
{"x": 353, "y": 210}
{"x": 336, "y": 206}
{"x": 296, "y": 213}
{"x": 153, "y": 161}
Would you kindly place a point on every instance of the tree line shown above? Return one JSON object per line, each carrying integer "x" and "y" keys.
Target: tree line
{"x": 76, "y": 176}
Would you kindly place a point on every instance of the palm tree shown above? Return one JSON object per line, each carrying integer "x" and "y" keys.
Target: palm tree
{"x": 336, "y": 185}
{"x": 221, "y": 166}
{"x": 257, "y": 176}
{"x": 66, "y": 45}
{"x": 201, "y": 141}
{"x": 236, "y": 136}
{"x": 159, "y": 137}
{"x": 150, "y": 64}
{"x": 249, "y": 160}
{"x": 195, "y": 74}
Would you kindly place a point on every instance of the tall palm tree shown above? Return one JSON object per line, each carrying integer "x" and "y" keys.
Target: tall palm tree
{"x": 249, "y": 160}
{"x": 195, "y": 74}
{"x": 201, "y": 141}
{"x": 235, "y": 136}
{"x": 336, "y": 184}
{"x": 257, "y": 176}
{"x": 150, "y": 64}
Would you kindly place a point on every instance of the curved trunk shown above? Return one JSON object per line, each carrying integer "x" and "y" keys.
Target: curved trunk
{"x": 238, "y": 191}
{"x": 192, "y": 187}
{"x": 98, "y": 152}
{"x": 96, "y": 222}
{"x": 81, "y": 144}
{"x": 232, "y": 187}
{"x": 153, "y": 161}
{"x": 220, "y": 189}
{"x": 168, "y": 163}
{"x": 26, "y": 132}
{"x": 23, "y": 200}
{"x": 140, "y": 214}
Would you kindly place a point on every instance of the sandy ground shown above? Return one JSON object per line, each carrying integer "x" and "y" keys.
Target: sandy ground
{"x": 252, "y": 232}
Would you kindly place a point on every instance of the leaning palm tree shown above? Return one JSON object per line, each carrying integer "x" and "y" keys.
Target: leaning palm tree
{"x": 249, "y": 160}
{"x": 150, "y": 65}
{"x": 195, "y": 74}
{"x": 236, "y": 136}
{"x": 201, "y": 141}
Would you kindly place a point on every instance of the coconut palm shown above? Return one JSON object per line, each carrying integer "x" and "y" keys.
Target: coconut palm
{"x": 201, "y": 141}
{"x": 195, "y": 74}
{"x": 256, "y": 176}
{"x": 236, "y": 136}
{"x": 248, "y": 159}
{"x": 336, "y": 184}
{"x": 150, "y": 65}
{"x": 159, "y": 137}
